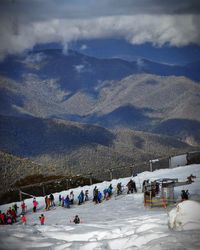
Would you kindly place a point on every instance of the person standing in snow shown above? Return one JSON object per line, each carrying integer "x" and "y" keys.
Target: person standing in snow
{"x": 99, "y": 196}
{"x": 15, "y": 208}
{"x": 110, "y": 188}
{"x": 46, "y": 202}
{"x": 35, "y": 203}
{"x": 131, "y": 186}
{"x": 94, "y": 193}
{"x": 59, "y": 200}
{"x": 119, "y": 188}
{"x": 67, "y": 202}
{"x": 23, "y": 207}
{"x": 76, "y": 220}
{"x": 23, "y": 219}
{"x": 71, "y": 197}
{"x": 81, "y": 198}
{"x": 95, "y": 199}
{"x": 86, "y": 196}
{"x": 2, "y": 218}
{"x": 52, "y": 200}
{"x": 184, "y": 195}
{"x": 42, "y": 219}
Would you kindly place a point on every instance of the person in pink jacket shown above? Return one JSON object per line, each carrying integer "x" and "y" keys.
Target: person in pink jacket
{"x": 35, "y": 203}
{"x": 42, "y": 219}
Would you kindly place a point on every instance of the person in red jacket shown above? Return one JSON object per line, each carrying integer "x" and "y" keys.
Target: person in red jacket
{"x": 23, "y": 218}
{"x": 35, "y": 203}
{"x": 13, "y": 214}
{"x": 23, "y": 207}
{"x": 42, "y": 219}
{"x": 2, "y": 218}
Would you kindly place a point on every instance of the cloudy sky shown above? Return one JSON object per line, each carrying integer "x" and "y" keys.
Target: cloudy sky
{"x": 25, "y": 23}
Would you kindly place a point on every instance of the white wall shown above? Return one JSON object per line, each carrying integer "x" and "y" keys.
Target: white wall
{"x": 176, "y": 161}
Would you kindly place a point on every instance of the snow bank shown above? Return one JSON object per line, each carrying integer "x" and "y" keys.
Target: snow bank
{"x": 185, "y": 216}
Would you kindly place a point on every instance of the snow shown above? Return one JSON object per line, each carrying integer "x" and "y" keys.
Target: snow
{"x": 185, "y": 216}
{"x": 119, "y": 223}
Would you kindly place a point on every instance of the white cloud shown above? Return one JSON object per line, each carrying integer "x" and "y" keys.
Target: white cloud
{"x": 79, "y": 68}
{"x": 176, "y": 30}
{"x": 83, "y": 47}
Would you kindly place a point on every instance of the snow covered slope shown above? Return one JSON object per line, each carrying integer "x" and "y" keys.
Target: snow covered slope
{"x": 119, "y": 223}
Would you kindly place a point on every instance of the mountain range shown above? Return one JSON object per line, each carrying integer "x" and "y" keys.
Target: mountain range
{"x": 82, "y": 113}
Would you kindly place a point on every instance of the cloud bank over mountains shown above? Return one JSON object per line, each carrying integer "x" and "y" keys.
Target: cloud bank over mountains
{"x": 27, "y": 23}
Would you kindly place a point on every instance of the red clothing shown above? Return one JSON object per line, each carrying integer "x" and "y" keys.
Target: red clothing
{"x": 35, "y": 203}
{"x": 23, "y": 219}
{"x": 13, "y": 214}
{"x": 2, "y": 218}
{"x": 23, "y": 205}
{"x": 42, "y": 219}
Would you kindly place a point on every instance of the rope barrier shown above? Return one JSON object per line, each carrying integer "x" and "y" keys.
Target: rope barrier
{"x": 27, "y": 194}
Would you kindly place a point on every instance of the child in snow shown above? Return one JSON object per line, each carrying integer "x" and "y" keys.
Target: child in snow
{"x": 42, "y": 219}
{"x": 76, "y": 220}
{"x": 23, "y": 218}
{"x": 9, "y": 220}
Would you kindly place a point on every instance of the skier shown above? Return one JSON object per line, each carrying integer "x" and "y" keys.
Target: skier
{"x": 119, "y": 188}
{"x": 15, "y": 207}
{"x": 105, "y": 193}
{"x": 23, "y": 219}
{"x": 42, "y": 219}
{"x": 35, "y": 203}
{"x": 59, "y": 200}
{"x": 52, "y": 200}
{"x": 2, "y": 218}
{"x": 81, "y": 197}
{"x": 46, "y": 203}
{"x": 86, "y": 196}
{"x": 95, "y": 199}
{"x": 71, "y": 197}
{"x": 131, "y": 186}
{"x": 99, "y": 197}
{"x": 13, "y": 214}
{"x": 94, "y": 193}
{"x": 63, "y": 200}
{"x": 76, "y": 220}
{"x": 184, "y": 195}
{"x": 23, "y": 207}
{"x": 110, "y": 188}
{"x": 67, "y": 202}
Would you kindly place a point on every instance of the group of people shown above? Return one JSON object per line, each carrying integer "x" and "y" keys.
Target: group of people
{"x": 10, "y": 216}
{"x": 12, "y": 213}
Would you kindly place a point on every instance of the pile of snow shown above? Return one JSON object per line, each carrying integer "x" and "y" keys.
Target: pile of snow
{"x": 185, "y": 216}
{"x": 119, "y": 223}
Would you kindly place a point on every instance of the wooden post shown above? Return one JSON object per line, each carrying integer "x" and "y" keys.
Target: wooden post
{"x": 111, "y": 174}
{"x": 67, "y": 183}
{"x": 43, "y": 189}
{"x": 131, "y": 170}
{"x": 20, "y": 195}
